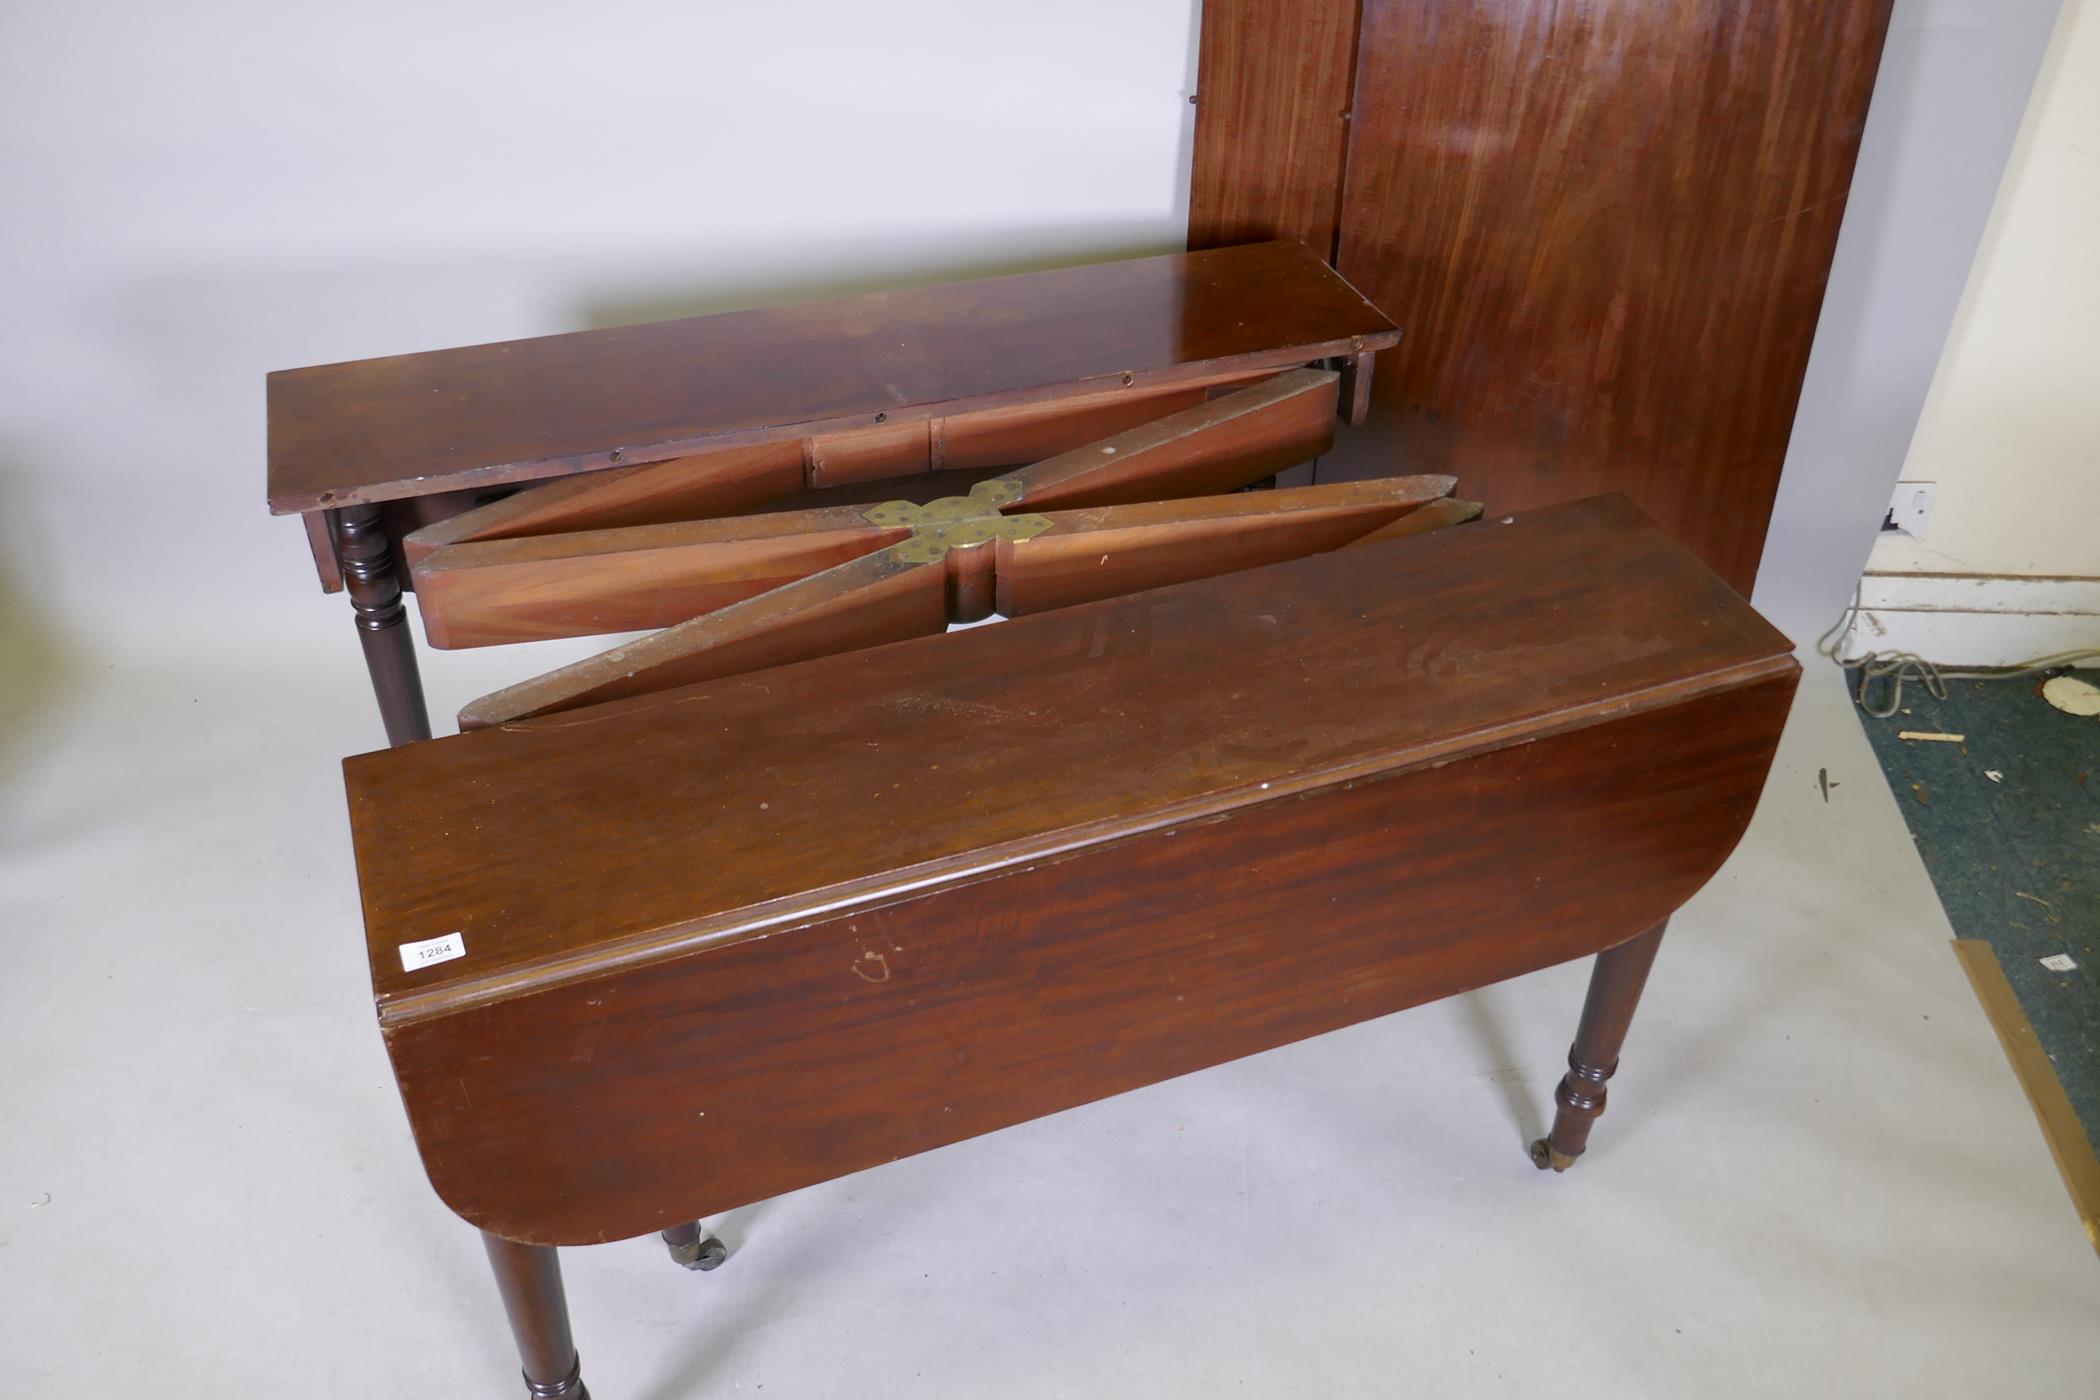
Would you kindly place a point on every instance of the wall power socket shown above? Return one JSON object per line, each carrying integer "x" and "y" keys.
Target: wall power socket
{"x": 1909, "y": 509}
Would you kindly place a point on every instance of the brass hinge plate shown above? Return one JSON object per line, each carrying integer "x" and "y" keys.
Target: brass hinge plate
{"x": 954, "y": 522}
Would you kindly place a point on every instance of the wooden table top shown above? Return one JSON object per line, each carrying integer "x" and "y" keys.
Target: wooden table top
{"x": 407, "y": 425}
{"x": 740, "y": 808}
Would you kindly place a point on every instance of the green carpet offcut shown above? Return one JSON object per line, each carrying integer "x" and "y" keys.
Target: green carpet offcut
{"x": 2008, "y": 823}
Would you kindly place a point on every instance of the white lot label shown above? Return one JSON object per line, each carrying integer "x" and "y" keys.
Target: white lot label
{"x": 2060, "y": 962}
{"x": 432, "y": 950}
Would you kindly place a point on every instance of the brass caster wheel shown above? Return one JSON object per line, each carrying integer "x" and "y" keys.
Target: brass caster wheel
{"x": 701, "y": 1253}
{"x": 1543, "y": 1156}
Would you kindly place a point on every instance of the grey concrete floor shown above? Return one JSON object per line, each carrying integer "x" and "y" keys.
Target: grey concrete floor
{"x": 1817, "y": 1177}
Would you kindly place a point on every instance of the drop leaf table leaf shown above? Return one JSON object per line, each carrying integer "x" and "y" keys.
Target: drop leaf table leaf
{"x": 645, "y": 959}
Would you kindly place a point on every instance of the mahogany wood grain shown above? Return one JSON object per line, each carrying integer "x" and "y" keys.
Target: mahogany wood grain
{"x": 726, "y": 481}
{"x": 1607, "y": 1013}
{"x": 528, "y": 409}
{"x": 1013, "y": 437}
{"x": 367, "y": 564}
{"x": 1356, "y": 388}
{"x": 321, "y": 541}
{"x": 863, "y": 603}
{"x": 860, "y": 906}
{"x": 879, "y": 598}
{"x": 1218, "y": 445}
{"x": 997, "y": 436}
{"x": 870, "y": 454}
{"x": 529, "y": 1279}
{"x": 1092, "y": 554}
{"x": 1189, "y": 655}
{"x": 484, "y": 591}
{"x": 1433, "y": 516}
{"x": 595, "y": 581}
{"x": 1272, "y": 121}
{"x": 1607, "y": 227}
{"x": 844, "y": 1042}
{"x": 919, "y": 490}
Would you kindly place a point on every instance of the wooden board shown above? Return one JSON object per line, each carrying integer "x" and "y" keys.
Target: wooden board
{"x": 1434, "y": 516}
{"x": 767, "y": 930}
{"x": 1605, "y": 227}
{"x": 1012, "y": 437}
{"x": 1607, "y": 230}
{"x": 1218, "y": 445}
{"x": 864, "y": 602}
{"x": 528, "y": 409}
{"x": 726, "y": 481}
{"x": 2068, "y": 1143}
{"x": 591, "y": 582}
{"x": 1099, "y": 553}
{"x": 1272, "y": 121}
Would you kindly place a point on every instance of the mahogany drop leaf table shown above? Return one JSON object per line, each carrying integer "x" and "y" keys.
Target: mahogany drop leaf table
{"x": 641, "y": 960}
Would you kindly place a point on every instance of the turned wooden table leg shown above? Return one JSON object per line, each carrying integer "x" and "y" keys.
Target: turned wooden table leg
{"x": 382, "y": 622}
{"x": 1615, "y": 989}
{"x": 529, "y": 1277}
{"x": 693, "y": 1248}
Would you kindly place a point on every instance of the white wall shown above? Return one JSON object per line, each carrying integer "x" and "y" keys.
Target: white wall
{"x": 2008, "y": 566}
{"x": 1954, "y": 83}
{"x": 198, "y": 193}
{"x": 2011, "y": 430}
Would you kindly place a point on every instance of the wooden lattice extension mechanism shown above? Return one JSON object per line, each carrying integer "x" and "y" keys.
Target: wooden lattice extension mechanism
{"x": 678, "y": 545}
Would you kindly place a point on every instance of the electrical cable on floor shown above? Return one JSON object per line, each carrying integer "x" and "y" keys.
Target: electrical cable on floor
{"x": 1898, "y": 667}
